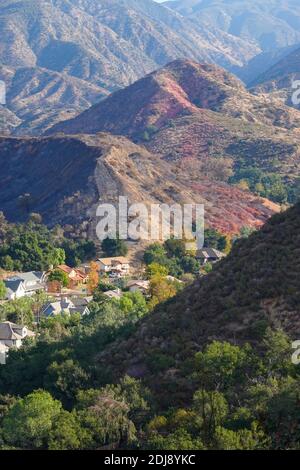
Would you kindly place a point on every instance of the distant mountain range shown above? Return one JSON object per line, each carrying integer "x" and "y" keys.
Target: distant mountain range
{"x": 271, "y": 24}
{"x": 278, "y": 79}
{"x": 59, "y": 57}
{"x": 61, "y": 54}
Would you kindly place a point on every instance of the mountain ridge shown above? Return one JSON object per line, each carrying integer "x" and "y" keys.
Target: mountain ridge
{"x": 65, "y": 178}
{"x": 199, "y": 114}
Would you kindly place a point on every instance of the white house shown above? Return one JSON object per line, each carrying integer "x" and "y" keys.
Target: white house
{"x": 12, "y": 336}
{"x": 139, "y": 286}
{"x": 15, "y": 289}
{"x": 65, "y": 305}
{"x": 24, "y": 284}
{"x": 118, "y": 266}
{"x": 3, "y": 353}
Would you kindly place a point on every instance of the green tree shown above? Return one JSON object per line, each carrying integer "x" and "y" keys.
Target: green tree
{"x": 213, "y": 409}
{"x": 65, "y": 379}
{"x": 105, "y": 420}
{"x": 178, "y": 440}
{"x": 59, "y": 276}
{"x": 222, "y": 365}
{"x": 133, "y": 303}
{"x": 19, "y": 311}
{"x": 214, "y": 239}
{"x": 2, "y": 290}
{"x": 175, "y": 248}
{"x": 243, "y": 439}
{"x": 114, "y": 247}
{"x": 66, "y": 432}
{"x": 29, "y": 421}
{"x": 155, "y": 253}
{"x": 155, "y": 269}
{"x": 190, "y": 265}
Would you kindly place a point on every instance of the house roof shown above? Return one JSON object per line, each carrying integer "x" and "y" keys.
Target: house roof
{"x": 80, "y": 275}
{"x": 83, "y": 310}
{"x": 7, "y": 332}
{"x": 210, "y": 253}
{"x": 65, "y": 268}
{"x": 56, "y": 308}
{"x": 11, "y": 331}
{"x": 174, "y": 279}
{"x": 113, "y": 294}
{"x": 81, "y": 301}
{"x": 111, "y": 261}
{"x": 12, "y": 285}
{"x": 139, "y": 283}
{"x": 31, "y": 276}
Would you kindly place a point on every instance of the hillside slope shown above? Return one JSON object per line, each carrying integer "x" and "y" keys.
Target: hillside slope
{"x": 255, "y": 287}
{"x": 41, "y": 98}
{"x": 66, "y": 177}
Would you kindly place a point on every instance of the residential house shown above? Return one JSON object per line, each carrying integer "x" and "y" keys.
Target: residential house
{"x": 209, "y": 255}
{"x": 3, "y": 353}
{"x": 76, "y": 276}
{"x": 139, "y": 286}
{"x": 14, "y": 289}
{"x": 24, "y": 284}
{"x": 174, "y": 279}
{"x": 12, "y": 336}
{"x": 64, "y": 305}
{"x": 113, "y": 294}
{"x": 116, "y": 267}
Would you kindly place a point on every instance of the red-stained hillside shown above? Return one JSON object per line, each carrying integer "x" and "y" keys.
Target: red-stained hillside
{"x": 180, "y": 88}
{"x": 197, "y": 111}
{"x": 67, "y": 177}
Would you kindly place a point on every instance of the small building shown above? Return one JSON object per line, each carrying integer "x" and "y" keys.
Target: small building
{"x": 118, "y": 266}
{"x": 209, "y": 255}
{"x": 12, "y": 335}
{"x": 64, "y": 305}
{"x": 113, "y": 294}
{"x": 76, "y": 276}
{"x": 14, "y": 289}
{"x": 3, "y": 353}
{"x": 24, "y": 284}
{"x": 139, "y": 286}
{"x": 174, "y": 279}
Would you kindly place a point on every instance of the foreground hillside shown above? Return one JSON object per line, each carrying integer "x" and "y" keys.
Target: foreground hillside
{"x": 201, "y": 116}
{"x": 257, "y": 286}
{"x": 64, "y": 178}
{"x": 210, "y": 369}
